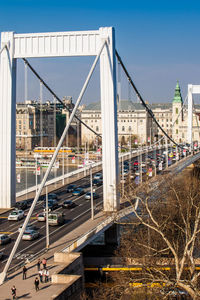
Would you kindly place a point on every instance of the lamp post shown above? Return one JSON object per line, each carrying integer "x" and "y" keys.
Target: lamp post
{"x": 47, "y": 220}
{"x": 91, "y": 191}
{"x": 63, "y": 167}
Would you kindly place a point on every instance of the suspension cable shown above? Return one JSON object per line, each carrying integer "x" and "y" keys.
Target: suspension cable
{"x": 143, "y": 102}
{"x": 52, "y": 92}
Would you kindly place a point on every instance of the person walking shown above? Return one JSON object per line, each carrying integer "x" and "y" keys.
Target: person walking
{"x": 46, "y": 275}
{"x": 40, "y": 275}
{"x": 38, "y": 264}
{"x": 36, "y": 282}
{"x": 14, "y": 292}
{"x": 44, "y": 262}
{"x": 24, "y": 271}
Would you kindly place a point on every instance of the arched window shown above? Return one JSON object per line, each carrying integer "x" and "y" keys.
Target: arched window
{"x": 123, "y": 128}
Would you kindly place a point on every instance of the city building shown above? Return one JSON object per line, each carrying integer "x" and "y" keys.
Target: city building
{"x": 133, "y": 120}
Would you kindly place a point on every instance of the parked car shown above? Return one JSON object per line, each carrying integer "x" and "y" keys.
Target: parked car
{"x": 97, "y": 182}
{"x": 28, "y": 227}
{"x": 70, "y": 188}
{"x": 30, "y": 235}
{"x": 98, "y": 176}
{"x": 1, "y": 254}
{"x": 78, "y": 192}
{"x": 88, "y": 195}
{"x": 4, "y": 239}
{"x": 68, "y": 204}
{"x": 16, "y": 215}
{"x": 22, "y": 205}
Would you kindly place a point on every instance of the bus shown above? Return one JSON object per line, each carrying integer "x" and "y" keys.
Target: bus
{"x": 51, "y": 150}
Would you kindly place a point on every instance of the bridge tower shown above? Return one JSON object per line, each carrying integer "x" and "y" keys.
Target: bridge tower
{"x": 192, "y": 89}
{"x": 58, "y": 44}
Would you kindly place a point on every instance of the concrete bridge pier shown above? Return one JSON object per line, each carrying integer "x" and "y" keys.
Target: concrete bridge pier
{"x": 112, "y": 235}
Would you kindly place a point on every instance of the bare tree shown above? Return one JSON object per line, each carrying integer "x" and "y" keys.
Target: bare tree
{"x": 162, "y": 239}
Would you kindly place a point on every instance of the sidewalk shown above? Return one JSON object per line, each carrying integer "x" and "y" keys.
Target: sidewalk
{"x": 26, "y": 288}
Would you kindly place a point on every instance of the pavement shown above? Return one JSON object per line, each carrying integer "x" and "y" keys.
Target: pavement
{"x": 26, "y": 288}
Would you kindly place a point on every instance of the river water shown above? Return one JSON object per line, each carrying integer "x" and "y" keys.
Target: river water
{"x": 28, "y": 177}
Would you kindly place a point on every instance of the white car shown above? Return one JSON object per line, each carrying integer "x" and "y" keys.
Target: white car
{"x": 16, "y": 215}
{"x": 30, "y": 235}
{"x": 28, "y": 227}
{"x": 41, "y": 217}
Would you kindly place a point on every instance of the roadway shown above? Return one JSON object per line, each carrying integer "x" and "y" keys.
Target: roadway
{"x": 73, "y": 218}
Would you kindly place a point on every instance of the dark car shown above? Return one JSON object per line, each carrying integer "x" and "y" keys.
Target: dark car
{"x": 22, "y": 205}
{"x": 68, "y": 204}
{"x": 97, "y": 182}
{"x": 70, "y": 188}
{"x": 52, "y": 204}
{"x": 78, "y": 192}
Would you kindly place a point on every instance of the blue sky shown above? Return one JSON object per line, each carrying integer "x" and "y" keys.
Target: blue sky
{"x": 157, "y": 40}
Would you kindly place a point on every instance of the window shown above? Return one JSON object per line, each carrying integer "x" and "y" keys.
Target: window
{"x": 97, "y": 128}
{"x": 123, "y": 128}
{"x": 176, "y": 131}
{"x": 176, "y": 110}
{"x": 177, "y": 121}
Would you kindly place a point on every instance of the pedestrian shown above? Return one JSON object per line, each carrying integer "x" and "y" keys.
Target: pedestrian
{"x": 24, "y": 271}
{"x": 38, "y": 264}
{"x": 36, "y": 282}
{"x": 44, "y": 262}
{"x": 46, "y": 275}
{"x": 40, "y": 275}
{"x": 13, "y": 290}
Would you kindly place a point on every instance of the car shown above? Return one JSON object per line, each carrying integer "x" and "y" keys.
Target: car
{"x": 28, "y": 227}
{"x": 78, "y": 192}
{"x": 56, "y": 218}
{"x": 136, "y": 163}
{"x": 98, "y": 176}
{"x": 30, "y": 235}
{"x": 16, "y": 215}
{"x": 1, "y": 254}
{"x": 68, "y": 204}
{"x": 88, "y": 195}
{"x": 22, "y": 205}
{"x": 41, "y": 217}
{"x": 52, "y": 196}
{"x": 97, "y": 182}
{"x": 4, "y": 239}
{"x": 52, "y": 204}
{"x": 70, "y": 188}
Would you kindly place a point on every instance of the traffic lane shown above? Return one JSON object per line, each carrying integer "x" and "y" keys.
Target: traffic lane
{"x": 81, "y": 207}
{"x": 28, "y": 248}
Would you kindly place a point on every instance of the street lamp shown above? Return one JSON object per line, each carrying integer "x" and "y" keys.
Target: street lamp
{"x": 91, "y": 192}
{"x": 47, "y": 220}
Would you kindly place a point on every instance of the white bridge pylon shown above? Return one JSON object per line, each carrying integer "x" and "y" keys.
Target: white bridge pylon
{"x": 58, "y": 44}
{"x": 192, "y": 89}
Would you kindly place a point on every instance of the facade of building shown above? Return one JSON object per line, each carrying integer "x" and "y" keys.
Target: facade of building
{"x": 42, "y": 124}
{"x": 134, "y": 120}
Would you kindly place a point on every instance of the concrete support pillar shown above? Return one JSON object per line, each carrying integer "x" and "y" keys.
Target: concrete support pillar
{"x": 7, "y": 121}
{"x": 109, "y": 121}
{"x": 190, "y": 114}
{"x": 112, "y": 235}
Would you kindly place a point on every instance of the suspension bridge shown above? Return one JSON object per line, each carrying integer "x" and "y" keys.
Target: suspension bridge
{"x": 101, "y": 45}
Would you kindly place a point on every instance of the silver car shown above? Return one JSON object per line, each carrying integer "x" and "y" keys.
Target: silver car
{"x": 30, "y": 235}
{"x": 16, "y": 215}
{"x": 4, "y": 239}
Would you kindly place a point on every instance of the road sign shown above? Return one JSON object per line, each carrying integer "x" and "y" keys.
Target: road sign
{"x": 150, "y": 172}
{"x": 73, "y": 159}
{"x": 135, "y": 142}
{"x": 160, "y": 166}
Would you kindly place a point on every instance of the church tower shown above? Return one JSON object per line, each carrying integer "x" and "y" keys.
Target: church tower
{"x": 177, "y": 114}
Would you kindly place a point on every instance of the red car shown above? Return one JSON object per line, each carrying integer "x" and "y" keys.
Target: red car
{"x": 136, "y": 163}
